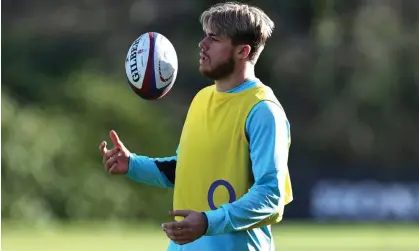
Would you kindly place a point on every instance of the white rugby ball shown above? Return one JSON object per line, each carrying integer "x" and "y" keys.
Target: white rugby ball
{"x": 151, "y": 66}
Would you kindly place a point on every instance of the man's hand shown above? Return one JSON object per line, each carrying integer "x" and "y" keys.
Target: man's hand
{"x": 115, "y": 160}
{"x": 192, "y": 227}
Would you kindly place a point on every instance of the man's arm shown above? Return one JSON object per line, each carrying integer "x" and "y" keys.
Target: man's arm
{"x": 153, "y": 171}
{"x": 268, "y": 132}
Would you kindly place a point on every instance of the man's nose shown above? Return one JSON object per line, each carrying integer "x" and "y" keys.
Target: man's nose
{"x": 203, "y": 44}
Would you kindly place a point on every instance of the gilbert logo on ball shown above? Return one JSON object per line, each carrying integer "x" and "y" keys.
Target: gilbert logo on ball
{"x": 151, "y": 66}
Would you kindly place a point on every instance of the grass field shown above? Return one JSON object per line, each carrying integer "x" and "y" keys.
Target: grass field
{"x": 288, "y": 237}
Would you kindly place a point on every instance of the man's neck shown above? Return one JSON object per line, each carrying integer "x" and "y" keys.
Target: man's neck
{"x": 235, "y": 80}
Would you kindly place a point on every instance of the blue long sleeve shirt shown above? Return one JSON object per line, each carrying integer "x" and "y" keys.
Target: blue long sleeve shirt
{"x": 268, "y": 131}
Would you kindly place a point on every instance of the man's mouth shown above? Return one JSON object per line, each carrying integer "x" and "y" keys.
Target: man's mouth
{"x": 203, "y": 57}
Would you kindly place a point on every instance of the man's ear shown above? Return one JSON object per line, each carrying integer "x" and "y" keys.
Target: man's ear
{"x": 243, "y": 51}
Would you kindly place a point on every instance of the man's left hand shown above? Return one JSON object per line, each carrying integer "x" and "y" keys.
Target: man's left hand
{"x": 193, "y": 226}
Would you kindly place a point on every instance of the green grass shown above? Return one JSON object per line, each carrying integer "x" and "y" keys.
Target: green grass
{"x": 146, "y": 236}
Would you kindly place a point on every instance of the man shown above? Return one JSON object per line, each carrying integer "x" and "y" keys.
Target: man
{"x": 230, "y": 173}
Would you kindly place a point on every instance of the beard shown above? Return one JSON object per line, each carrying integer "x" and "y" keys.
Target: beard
{"x": 220, "y": 71}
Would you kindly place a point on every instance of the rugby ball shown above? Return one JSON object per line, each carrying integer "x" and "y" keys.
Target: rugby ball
{"x": 151, "y": 66}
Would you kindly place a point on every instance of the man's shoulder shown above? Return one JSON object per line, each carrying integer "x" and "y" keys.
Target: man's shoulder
{"x": 209, "y": 88}
{"x": 264, "y": 92}
{"x": 264, "y": 97}
{"x": 205, "y": 90}
{"x": 268, "y": 107}
{"x": 268, "y": 116}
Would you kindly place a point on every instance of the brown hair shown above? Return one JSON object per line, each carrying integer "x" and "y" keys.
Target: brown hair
{"x": 243, "y": 23}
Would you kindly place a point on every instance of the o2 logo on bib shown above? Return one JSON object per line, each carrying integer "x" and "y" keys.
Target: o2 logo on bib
{"x": 214, "y": 186}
